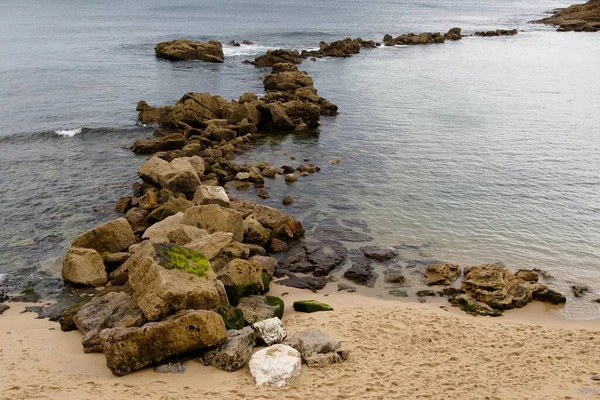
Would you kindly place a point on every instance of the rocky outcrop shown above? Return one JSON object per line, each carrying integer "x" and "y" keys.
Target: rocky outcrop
{"x": 130, "y": 349}
{"x": 577, "y": 18}
{"x": 441, "y": 274}
{"x": 211, "y": 195}
{"x": 183, "y": 49}
{"x": 112, "y": 236}
{"x": 111, "y": 310}
{"x": 167, "y": 278}
{"x": 211, "y": 245}
{"x": 339, "y": 48}
{"x": 179, "y": 175}
{"x": 275, "y": 365}
{"x": 273, "y": 57}
{"x": 497, "y": 32}
{"x": 317, "y": 348}
{"x": 234, "y": 352}
{"x": 408, "y": 39}
{"x": 84, "y": 267}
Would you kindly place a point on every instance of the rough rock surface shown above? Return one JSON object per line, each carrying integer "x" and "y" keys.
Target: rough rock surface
{"x": 3, "y": 307}
{"x": 441, "y": 274}
{"x": 166, "y": 279}
{"x": 270, "y": 331}
{"x": 211, "y": 245}
{"x": 108, "y": 311}
{"x": 241, "y": 278}
{"x": 379, "y": 253}
{"x": 130, "y": 349}
{"x": 179, "y": 175}
{"x": 183, "y": 49}
{"x": 234, "y": 352}
{"x": 318, "y": 257}
{"x": 211, "y": 195}
{"x": 275, "y": 365}
{"x": 84, "y": 267}
{"x": 578, "y": 18}
{"x": 310, "y": 306}
{"x": 112, "y": 236}
{"x": 159, "y": 232}
{"x": 317, "y": 348}
{"x": 214, "y": 218}
{"x": 258, "y": 308}
{"x": 361, "y": 272}
{"x": 312, "y": 283}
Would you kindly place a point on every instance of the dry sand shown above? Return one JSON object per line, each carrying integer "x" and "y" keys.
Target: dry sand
{"x": 398, "y": 351}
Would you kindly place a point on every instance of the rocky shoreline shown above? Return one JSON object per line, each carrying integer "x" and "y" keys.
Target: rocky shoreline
{"x": 575, "y": 18}
{"x": 187, "y": 270}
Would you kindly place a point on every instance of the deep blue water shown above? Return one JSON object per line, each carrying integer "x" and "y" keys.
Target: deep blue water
{"x": 483, "y": 150}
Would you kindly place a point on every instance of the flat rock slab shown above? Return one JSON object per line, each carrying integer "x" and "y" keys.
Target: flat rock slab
{"x": 303, "y": 282}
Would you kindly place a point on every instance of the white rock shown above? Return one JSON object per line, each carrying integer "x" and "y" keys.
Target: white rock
{"x": 270, "y": 331}
{"x": 158, "y": 233}
{"x": 211, "y": 195}
{"x": 275, "y": 365}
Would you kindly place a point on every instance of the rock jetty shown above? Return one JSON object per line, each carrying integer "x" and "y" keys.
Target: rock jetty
{"x": 422, "y": 38}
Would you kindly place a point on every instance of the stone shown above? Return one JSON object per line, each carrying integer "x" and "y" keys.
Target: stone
{"x": 166, "y": 278}
{"x": 330, "y": 228}
{"x": 289, "y": 229}
{"x": 129, "y": 349}
{"x": 342, "y": 287}
{"x": 579, "y": 290}
{"x": 254, "y": 232}
{"x": 287, "y": 201}
{"x": 170, "y": 367}
{"x": 395, "y": 277}
{"x": 310, "y": 306}
{"x": 215, "y": 218}
{"x": 361, "y": 272}
{"x": 267, "y": 264}
{"x": 275, "y": 365}
{"x": 258, "y": 308}
{"x": 527, "y": 275}
{"x": 578, "y": 17}
{"x": 270, "y": 331}
{"x": 317, "y": 348}
{"x": 547, "y": 295}
{"x": 147, "y": 114}
{"x": 108, "y": 311}
{"x": 232, "y": 316}
{"x": 211, "y": 245}
{"x": 186, "y": 234}
{"x": 472, "y": 306}
{"x": 273, "y": 57}
{"x": 211, "y": 195}
{"x": 290, "y": 178}
{"x": 318, "y": 257}
{"x": 136, "y": 217}
{"x": 183, "y": 49}
{"x": 84, "y": 267}
{"x": 123, "y": 204}
{"x": 234, "y": 352}
{"x": 303, "y": 282}
{"x": 241, "y": 278}
{"x": 263, "y": 194}
{"x": 164, "y": 143}
{"x": 159, "y": 232}
{"x": 277, "y": 246}
{"x": 398, "y": 293}
{"x": 179, "y": 175}
{"x": 425, "y": 293}
{"x": 113, "y": 261}
{"x": 379, "y": 253}
{"x": 3, "y": 308}
{"x": 269, "y": 171}
{"x": 171, "y": 207}
{"x": 441, "y": 274}
{"x": 112, "y": 237}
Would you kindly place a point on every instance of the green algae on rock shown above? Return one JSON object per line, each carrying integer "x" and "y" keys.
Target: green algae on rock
{"x": 184, "y": 259}
{"x": 232, "y": 316}
{"x": 277, "y": 302}
{"x": 310, "y": 306}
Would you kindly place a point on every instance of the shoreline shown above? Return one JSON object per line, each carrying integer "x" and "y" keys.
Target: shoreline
{"x": 398, "y": 350}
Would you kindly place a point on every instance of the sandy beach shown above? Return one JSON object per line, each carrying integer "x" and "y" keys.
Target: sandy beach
{"x": 399, "y": 350}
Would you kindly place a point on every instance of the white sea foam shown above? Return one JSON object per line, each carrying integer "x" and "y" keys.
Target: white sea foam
{"x": 245, "y": 50}
{"x": 68, "y": 132}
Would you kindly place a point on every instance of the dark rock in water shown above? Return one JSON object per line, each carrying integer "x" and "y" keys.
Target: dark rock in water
{"x": 165, "y": 143}
{"x": 398, "y": 293}
{"x": 450, "y": 291}
{"x": 319, "y": 257}
{"x": 3, "y": 307}
{"x": 527, "y": 275}
{"x": 346, "y": 288}
{"x": 183, "y": 49}
{"x": 395, "y": 277}
{"x": 361, "y": 272}
{"x": 578, "y": 18}
{"x": 303, "y": 282}
{"x": 425, "y": 293}
{"x": 277, "y": 246}
{"x": 28, "y": 295}
{"x": 497, "y": 32}
{"x": 170, "y": 367}
{"x": 379, "y": 253}
{"x": 546, "y": 275}
{"x": 357, "y": 223}
{"x": 273, "y": 57}
{"x": 580, "y": 290}
{"x": 263, "y": 194}
{"x": 287, "y": 200}
{"x": 549, "y": 296}
{"x": 329, "y": 229}
{"x": 310, "y": 306}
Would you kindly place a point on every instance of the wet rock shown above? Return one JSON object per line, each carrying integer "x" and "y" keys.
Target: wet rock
{"x": 270, "y": 331}
{"x": 273, "y": 57}
{"x": 361, "y": 272}
{"x": 179, "y": 175}
{"x": 441, "y": 274}
{"x": 379, "y": 253}
{"x": 497, "y": 32}
{"x": 287, "y": 200}
{"x": 289, "y": 229}
{"x": 290, "y": 178}
{"x": 546, "y": 275}
{"x": 303, "y": 282}
{"x": 398, "y": 293}
{"x": 130, "y": 349}
{"x": 3, "y": 308}
{"x": 258, "y": 308}
{"x": 578, "y": 18}
{"x": 317, "y": 348}
{"x": 579, "y": 290}
{"x": 527, "y": 275}
{"x": 263, "y": 194}
{"x": 425, "y": 293}
{"x": 136, "y": 217}
{"x": 472, "y": 306}
{"x": 275, "y": 365}
{"x": 319, "y": 257}
{"x": 186, "y": 234}
{"x": 211, "y": 195}
{"x": 267, "y": 264}
{"x": 269, "y": 172}
{"x": 166, "y": 278}
{"x": 542, "y": 293}
{"x": 84, "y": 267}
{"x": 395, "y": 277}
{"x": 277, "y": 246}
{"x": 254, "y": 232}
{"x": 342, "y": 287}
{"x": 310, "y": 306}
{"x": 214, "y": 218}
{"x": 234, "y": 352}
{"x": 108, "y": 311}
{"x": 165, "y": 143}
{"x": 241, "y": 278}
{"x": 330, "y": 228}
{"x": 112, "y": 236}
{"x": 451, "y": 291}
{"x": 123, "y": 204}
{"x": 147, "y": 114}
{"x": 232, "y": 317}
{"x": 183, "y": 49}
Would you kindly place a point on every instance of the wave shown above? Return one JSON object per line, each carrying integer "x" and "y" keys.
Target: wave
{"x": 69, "y": 132}
{"x": 245, "y": 50}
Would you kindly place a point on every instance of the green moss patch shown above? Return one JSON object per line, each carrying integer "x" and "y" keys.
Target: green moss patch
{"x": 276, "y": 302}
{"x": 233, "y": 317}
{"x": 310, "y": 306}
{"x": 266, "y": 279}
{"x": 236, "y": 292}
{"x": 183, "y": 259}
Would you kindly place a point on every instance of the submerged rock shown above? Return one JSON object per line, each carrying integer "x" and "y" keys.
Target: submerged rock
{"x": 303, "y": 282}
{"x": 318, "y": 257}
{"x": 275, "y": 365}
{"x": 379, "y": 253}
{"x": 130, "y": 349}
{"x": 361, "y": 272}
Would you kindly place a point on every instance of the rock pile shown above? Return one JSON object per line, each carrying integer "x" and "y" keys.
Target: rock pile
{"x": 339, "y": 48}
{"x": 497, "y": 32}
{"x": 422, "y": 38}
{"x": 183, "y": 49}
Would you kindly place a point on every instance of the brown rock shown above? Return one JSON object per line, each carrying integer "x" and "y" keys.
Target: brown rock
{"x": 183, "y": 49}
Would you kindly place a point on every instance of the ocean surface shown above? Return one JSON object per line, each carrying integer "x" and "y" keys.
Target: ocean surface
{"x": 483, "y": 150}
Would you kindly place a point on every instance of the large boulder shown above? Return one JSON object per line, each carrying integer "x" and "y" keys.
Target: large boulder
{"x": 112, "y": 236}
{"x": 159, "y": 232}
{"x": 287, "y": 80}
{"x": 164, "y": 143}
{"x": 211, "y": 195}
{"x": 211, "y": 245}
{"x": 258, "y": 308}
{"x": 214, "y": 218}
{"x": 361, "y": 272}
{"x": 241, "y": 278}
{"x": 319, "y": 257}
{"x": 166, "y": 278}
{"x": 234, "y": 352}
{"x": 317, "y": 348}
{"x": 84, "y": 267}
{"x": 273, "y": 57}
{"x": 179, "y": 175}
{"x": 108, "y": 311}
{"x": 255, "y": 233}
{"x": 275, "y": 365}
{"x": 441, "y": 274}
{"x": 183, "y": 49}
{"x": 194, "y": 109}
{"x": 130, "y": 349}
{"x": 280, "y": 118}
